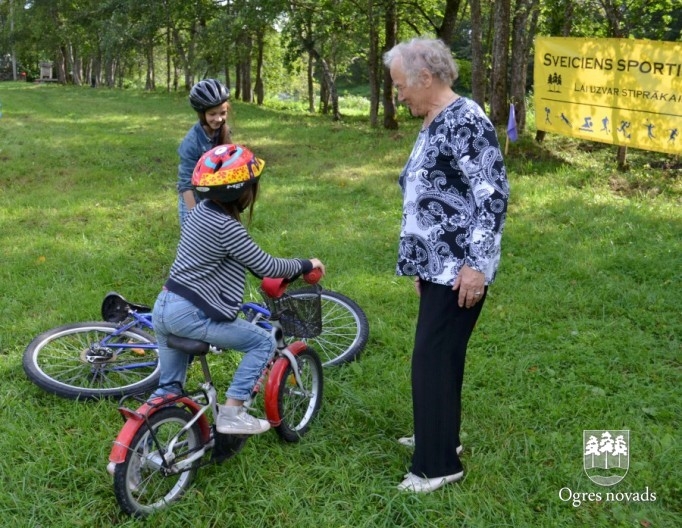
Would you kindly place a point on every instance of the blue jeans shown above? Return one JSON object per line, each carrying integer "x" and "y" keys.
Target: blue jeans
{"x": 175, "y": 315}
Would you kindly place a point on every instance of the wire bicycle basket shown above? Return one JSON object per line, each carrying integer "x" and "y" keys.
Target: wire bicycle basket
{"x": 300, "y": 315}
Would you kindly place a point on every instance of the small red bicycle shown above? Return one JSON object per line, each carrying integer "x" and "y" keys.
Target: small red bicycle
{"x": 162, "y": 444}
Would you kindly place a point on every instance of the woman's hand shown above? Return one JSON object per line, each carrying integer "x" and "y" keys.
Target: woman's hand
{"x": 471, "y": 286}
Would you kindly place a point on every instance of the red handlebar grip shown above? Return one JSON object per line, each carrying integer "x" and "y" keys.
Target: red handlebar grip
{"x": 273, "y": 288}
{"x": 313, "y": 276}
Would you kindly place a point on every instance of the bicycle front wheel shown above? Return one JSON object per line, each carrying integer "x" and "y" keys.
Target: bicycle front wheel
{"x": 143, "y": 483}
{"x": 345, "y": 328}
{"x": 298, "y": 406}
{"x": 92, "y": 360}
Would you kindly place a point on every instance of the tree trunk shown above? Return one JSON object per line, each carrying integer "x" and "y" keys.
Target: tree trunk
{"x": 477, "y": 64}
{"x": 61, "y": 65}
{"x": 96, "y": 70}
{"x": 328, "y": 79}
{"x": 374, "y": 64}
{"x": 311, "y": 84}
{"x": 109, "y": 68}
{"x": 499, "y": 106}
{"x": 150, "y": 82}
{"x": 523, "y": 30}
{"x": 226, "y": 67}
{"x": 614, "y": 16}
{"x": 168, "y": 60}
{"x": 324, "y": 97}
{"x": 184, "y": 61}
{"x": 622, "y": 153}
{"x": 391, "y": 31}
{"x": 247, "y": 46}
{"x": 446, "y": 30}
{"x": 259, "y": 88}
{"x": 77, "y": 70}
{"x": 238, "y": 80}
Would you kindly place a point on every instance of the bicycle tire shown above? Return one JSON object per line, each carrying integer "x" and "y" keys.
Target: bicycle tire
{"x": 296, "y": 409}
{"x": 141, "y": 485}
{"x": 345, "y": 329}
{"x": 55, "y": 361}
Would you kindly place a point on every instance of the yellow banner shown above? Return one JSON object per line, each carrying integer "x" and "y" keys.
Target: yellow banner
{"x": 619, "y": 91}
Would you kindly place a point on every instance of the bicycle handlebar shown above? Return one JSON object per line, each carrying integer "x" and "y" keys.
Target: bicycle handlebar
{"x": 275, "y": 288}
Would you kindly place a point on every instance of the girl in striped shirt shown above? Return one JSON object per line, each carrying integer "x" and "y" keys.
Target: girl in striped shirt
{"x": 205, "y": 289}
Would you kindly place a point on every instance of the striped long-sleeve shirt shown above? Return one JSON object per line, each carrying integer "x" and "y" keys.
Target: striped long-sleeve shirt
{"x": 213, "y": 255}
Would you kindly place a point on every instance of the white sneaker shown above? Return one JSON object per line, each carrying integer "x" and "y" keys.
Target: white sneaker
{"x": 408, "y": 441}
{"x": 426, "y": 485}
{"x": 235, "y": 420}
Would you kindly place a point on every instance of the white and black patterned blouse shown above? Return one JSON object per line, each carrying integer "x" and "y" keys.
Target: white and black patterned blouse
{"x": 455, "y": 194}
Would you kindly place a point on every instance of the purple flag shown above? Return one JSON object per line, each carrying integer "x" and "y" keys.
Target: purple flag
{"x": 511, "y": 125}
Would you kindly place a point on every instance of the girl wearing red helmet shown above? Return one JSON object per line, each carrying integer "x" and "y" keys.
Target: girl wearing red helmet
{"x": 205, "y": 289}
{"x": 209, "y": 98}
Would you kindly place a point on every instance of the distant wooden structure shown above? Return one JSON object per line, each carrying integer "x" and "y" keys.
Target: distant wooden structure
{"x": 46, "y": 72}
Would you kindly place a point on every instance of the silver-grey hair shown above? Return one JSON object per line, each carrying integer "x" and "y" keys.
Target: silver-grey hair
{"x": 424, "y": 53}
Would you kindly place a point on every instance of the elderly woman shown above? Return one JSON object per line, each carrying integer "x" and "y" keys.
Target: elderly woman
{"x": 455, "y": 195}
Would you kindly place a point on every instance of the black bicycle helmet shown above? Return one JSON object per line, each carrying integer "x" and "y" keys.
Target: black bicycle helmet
{"x": 207, "y": 94}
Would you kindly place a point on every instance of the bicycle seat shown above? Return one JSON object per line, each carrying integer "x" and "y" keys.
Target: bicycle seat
{"x": 115, "y": 307}
{"x": 195, "y": 347}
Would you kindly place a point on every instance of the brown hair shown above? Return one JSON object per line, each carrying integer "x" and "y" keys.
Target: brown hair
{"x": 246, "y": 201}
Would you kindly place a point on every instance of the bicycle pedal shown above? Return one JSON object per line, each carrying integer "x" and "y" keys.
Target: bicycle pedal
{"x": 227, "y": 446}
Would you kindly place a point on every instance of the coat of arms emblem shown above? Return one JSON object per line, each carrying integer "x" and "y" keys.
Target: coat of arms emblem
{"x": 606, "y": 456}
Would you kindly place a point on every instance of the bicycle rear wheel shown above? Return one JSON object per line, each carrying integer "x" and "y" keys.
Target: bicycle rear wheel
{"x": 297, "y": 408}
{"x": 345, "y": 328}
{"x": 141, "y": 483}
{"x": 74, "y": 361}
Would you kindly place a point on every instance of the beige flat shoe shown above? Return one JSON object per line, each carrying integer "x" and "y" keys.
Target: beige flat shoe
{"x": 417, "y": 484}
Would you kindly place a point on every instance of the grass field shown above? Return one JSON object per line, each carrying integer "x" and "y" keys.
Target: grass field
{"x": 582, "y": 330}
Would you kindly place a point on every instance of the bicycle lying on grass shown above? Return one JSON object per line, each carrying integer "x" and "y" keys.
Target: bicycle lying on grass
{"x": 118, "y": 356}
{"x": 156, "y": 454}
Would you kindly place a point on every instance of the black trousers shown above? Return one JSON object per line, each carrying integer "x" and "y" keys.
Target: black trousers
{"x": 441, "y": 338}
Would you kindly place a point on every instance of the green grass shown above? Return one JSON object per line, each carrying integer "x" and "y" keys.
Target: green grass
{"x": 580, "y": 331}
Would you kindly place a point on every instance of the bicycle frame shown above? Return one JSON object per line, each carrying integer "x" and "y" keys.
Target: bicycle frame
{"x": 274, "y": 372}
{"x": 137, "y": 320}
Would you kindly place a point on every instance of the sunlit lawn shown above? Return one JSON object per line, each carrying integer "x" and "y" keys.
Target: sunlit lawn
{"x": 581, "y": 330}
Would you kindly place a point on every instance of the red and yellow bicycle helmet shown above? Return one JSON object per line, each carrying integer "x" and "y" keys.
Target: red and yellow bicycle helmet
{"x": 225, "y": 172}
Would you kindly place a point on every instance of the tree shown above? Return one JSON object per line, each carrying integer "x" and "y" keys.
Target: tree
{"x": 319, "y": 29}
{"x": 477, "y": 59}
{"x": 500, "y": 61}
{"x": 114, "y": 41}
{"x": 391, "y": 39}
{"x": 523, "y": 28}
{"x": 374, "y": 63}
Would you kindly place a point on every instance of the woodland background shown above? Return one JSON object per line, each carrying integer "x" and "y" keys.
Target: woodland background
{"x": 307, "y": 51}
